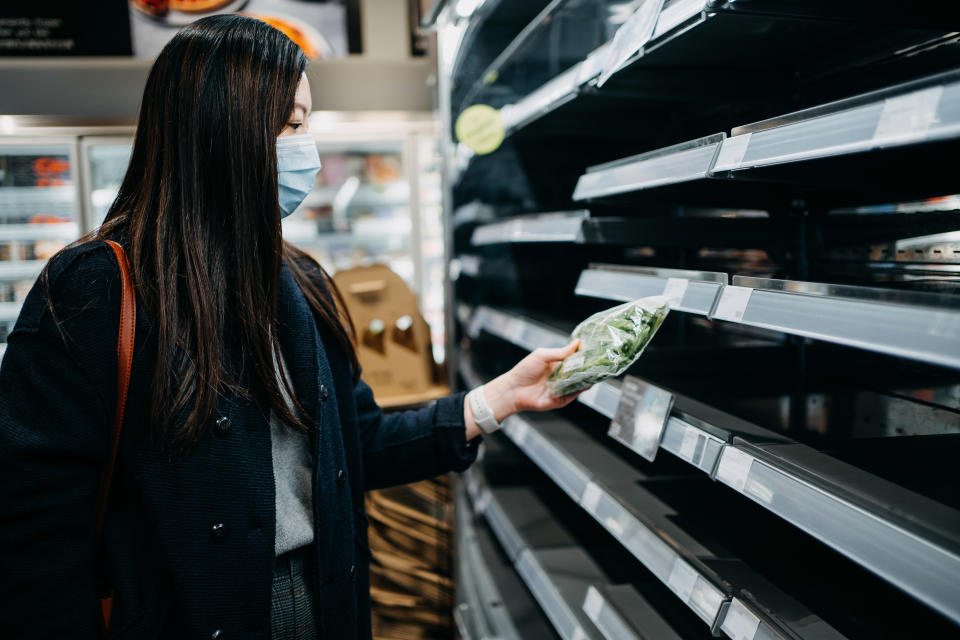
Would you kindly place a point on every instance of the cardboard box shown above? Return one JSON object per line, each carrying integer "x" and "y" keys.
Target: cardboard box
{"x": 393, "y": 339}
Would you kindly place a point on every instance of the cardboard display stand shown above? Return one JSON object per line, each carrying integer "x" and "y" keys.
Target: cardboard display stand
{"x": 393, "y": 339}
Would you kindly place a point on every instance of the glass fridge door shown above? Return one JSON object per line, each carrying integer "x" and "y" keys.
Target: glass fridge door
{"x": 105, "y": 160}
{"x": 39, "y": 214}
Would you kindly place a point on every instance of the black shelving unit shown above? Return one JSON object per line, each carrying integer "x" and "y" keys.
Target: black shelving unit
{"x": 782, "y": 173}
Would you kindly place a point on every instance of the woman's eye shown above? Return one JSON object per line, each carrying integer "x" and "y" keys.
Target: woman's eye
{"x": 295, "y": 125}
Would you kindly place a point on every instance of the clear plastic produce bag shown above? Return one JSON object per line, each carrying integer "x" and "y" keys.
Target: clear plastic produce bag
{"x": 610, "y": 341}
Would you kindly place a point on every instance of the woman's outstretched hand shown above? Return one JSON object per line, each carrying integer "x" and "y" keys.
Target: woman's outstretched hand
{"x": 524, "y": 387}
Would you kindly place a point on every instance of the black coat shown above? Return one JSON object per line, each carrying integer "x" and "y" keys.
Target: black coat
{"x": 174, "y": 575}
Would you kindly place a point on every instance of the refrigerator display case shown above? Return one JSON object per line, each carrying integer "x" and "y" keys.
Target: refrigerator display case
{"x": 39, "y": 214}
{"x": 377, "y": 199}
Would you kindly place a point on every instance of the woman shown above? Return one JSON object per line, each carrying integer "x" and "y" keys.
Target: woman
{"x": 236, "y": 508}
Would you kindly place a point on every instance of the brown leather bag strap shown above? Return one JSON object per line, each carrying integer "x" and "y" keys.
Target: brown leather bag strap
{"x": 128, "y": 325}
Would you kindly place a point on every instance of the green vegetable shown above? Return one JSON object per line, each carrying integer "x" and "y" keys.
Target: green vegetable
{"x": 610, "y": 341}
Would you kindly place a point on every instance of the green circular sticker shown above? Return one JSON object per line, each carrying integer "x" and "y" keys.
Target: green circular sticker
{"x": 480, "y": 128}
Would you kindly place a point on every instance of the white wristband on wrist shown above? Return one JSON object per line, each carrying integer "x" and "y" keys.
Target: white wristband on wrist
{"x": 482, "y": 413}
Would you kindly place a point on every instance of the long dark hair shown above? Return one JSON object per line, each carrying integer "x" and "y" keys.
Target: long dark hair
{"x": 199, "y": 214}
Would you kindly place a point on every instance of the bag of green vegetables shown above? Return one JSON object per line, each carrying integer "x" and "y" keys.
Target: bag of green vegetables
{"x": 610, "y": 341}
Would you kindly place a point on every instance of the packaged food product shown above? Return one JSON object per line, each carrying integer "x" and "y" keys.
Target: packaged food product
{"x": 610, "y": 341}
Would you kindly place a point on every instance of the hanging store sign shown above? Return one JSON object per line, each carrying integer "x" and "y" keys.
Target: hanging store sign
{"x": 322, "y": 28}
{"x": 641, "y": 416}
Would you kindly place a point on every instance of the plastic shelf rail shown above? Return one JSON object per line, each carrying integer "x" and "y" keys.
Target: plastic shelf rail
{"x": 620, "y": 613}
{"x": 689, "y": 291}
{"x": 566, "y": 226}
{"x": 557, "y": 572}
{"x": 516, "y": 329}
{"x": 859, "y": 515}
{"x": 696, "y": 590}
{"x": 922, "y": 111}
{"x": 676, "y": 164}
{"x": 479, "y": 613}
{"x": 915, "y": 326}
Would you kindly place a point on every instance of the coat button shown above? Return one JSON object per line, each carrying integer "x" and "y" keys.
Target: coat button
{"x": 341, "y": 477}
{"x": 353, "y": 573}
{"x": 218, "y": 635}
{"x": 323, "y": 392}
{"x": 223, "y": 425}
{"x": 218, "y": 532}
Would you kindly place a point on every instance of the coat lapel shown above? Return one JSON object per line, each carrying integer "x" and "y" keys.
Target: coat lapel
{"x": 298, "y": 340}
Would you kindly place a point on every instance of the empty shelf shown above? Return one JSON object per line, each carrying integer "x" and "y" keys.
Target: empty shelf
{"x": 480, "y": 612}
{"x": 521, "y": 331}
{"x": 904, "y": 538}
{"x": 915, "y": 326}
{"x": 690, "y": 291}
{"x": 547, "y": 227}
{"x": 677, "y": 164}
{"x": 620, "y": 613}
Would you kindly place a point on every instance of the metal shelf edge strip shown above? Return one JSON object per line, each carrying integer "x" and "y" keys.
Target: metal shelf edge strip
{"x": 926, "y": 571}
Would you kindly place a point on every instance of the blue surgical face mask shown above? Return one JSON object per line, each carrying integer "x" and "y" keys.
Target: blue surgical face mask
{"x": 297, "y": 163}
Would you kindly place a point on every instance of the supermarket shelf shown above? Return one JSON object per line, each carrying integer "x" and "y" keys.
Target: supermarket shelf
{"x": 690, "y": 291}
{"x": 566, "y": 226}
{"x": 911, "y": 542}
{"x": 620, "y": 613}
{"x": 521, "y": 331}
{"x": 800, "y": 485}
{"x": 480, "y": 612}
{"x": 67, "y": 231}
{"x": 22, "y": 203}
{"x": 9, "y": 311}
{"x": 749, "y": 50}
{"x": 643, "y": 526}
{"x": 920, "y": 111}
{"x": 21, "y": 269}
{"x": 606, "y": 488}
{"x": 916, "y": 326}
{"x": 806, "y": 153}
{"x": 558, "y": 575}
{"x": 669, "y": 166}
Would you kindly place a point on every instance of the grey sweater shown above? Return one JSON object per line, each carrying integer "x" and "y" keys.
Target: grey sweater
{"x": 292, "y": 473}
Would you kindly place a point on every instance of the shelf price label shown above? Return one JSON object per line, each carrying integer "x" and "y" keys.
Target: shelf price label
{"x": 631, "y": 37}
{"x": 641, "y": 416}
{"x": 733, "y": 303}
{"x": 740, "y": 623}
{"x": 674, "y": 291}
{"x": 908, "y": 116}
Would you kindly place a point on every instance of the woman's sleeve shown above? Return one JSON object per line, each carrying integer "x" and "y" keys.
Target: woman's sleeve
{"x": 408, "y": 446}
{"x": 54, "y": 435}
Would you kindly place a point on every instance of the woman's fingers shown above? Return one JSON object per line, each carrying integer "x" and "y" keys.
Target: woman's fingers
{"x": 558, "y": 353}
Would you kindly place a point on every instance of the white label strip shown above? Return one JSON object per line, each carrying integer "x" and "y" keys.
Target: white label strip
{"x": 673, "y": 291}
{"x": 591, "y": 497}
{"x": 482, "y": 502}
{"x": 593, "y": 603}
{"x": 733, "y": 303}
{"x": 630, "y": 37}
{"x": 908, "y": 116}
{"x": 682, "y": 579}
{"x": 688, "y": 446}
{"x": 740, "y": 623}
{"x": 732, "y": 151}
{"x": 734, "y": 467}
